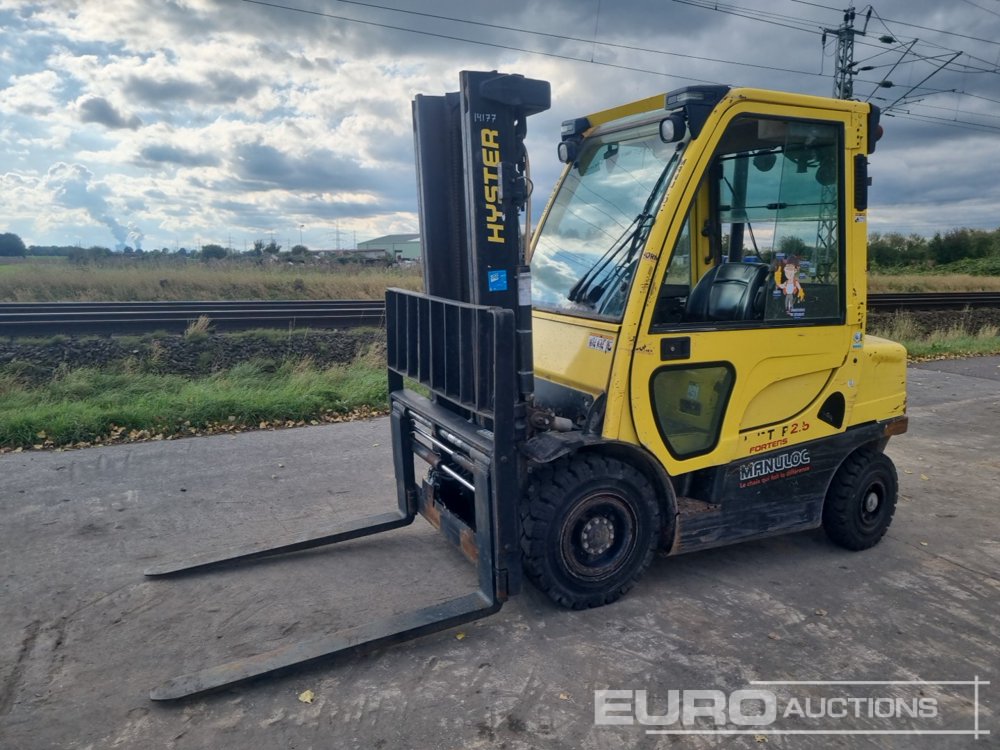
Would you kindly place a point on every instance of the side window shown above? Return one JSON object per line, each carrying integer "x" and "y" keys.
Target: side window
{"x": 676, "y": 283}
{"x": 689, "y": 403}
{"x": 779, "y": 206}
{"x": 679, "y": 271}
{"x": 772, "y": 230}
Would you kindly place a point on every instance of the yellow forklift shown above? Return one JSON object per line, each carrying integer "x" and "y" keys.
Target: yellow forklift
{"x": 682, "y": 365}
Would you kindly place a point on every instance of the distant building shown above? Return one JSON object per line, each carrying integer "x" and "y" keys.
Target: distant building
{"x": 396, "y": 246}
{"x": 360, "y": 255}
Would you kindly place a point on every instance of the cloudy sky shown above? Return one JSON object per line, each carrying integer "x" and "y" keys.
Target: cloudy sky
{"x": 181, "y": 122}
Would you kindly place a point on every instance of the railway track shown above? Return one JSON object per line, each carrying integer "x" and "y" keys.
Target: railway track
{"x": 933, "y": 301}
{"x": 106, "y": 318}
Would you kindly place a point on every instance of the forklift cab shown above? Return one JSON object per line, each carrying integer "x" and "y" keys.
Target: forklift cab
{"x": 699, "y": 280}
{"x": 732, "y": 276}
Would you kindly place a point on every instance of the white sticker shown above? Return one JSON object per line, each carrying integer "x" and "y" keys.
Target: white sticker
{"x": 601, "y": 343}
{"x": 524, "y": 289}
{"x": 859, "y": 218}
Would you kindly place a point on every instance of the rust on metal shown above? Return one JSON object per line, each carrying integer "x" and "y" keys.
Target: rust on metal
{"x": 896, "y": 426}
{"x": 430, "y": 510}
{"x": 467, "y": 541}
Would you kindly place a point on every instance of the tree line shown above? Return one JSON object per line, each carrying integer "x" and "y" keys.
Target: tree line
{"x": 12, "y": 246}
{"x": 963, "y": 250}
{"x": 975, "y": 249}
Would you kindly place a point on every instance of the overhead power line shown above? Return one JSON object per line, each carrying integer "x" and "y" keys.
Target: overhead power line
{"x": 913, "y": 25}
{"x": 454, "y": 38}
{"x": 774, "y": 19}
{"x": 946, "y": 121}
{"x": 568, "y": 38}
{"x": 846, "y": 36}
{"x": 499, "y": 45}
{"x": 977, "y": 5}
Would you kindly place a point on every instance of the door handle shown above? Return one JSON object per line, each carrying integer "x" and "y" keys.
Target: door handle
{"x": 678, "y": 347}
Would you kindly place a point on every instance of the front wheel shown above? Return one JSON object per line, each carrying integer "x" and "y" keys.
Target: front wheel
{"x": 861, "y": 500}
{"x": 589, "y": 528}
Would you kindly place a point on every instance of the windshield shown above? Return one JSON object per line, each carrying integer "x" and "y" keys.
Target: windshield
{"x": 591, "y": 242}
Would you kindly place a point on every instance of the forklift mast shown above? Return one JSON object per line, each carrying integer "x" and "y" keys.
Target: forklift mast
{"x": 468, "y": 343}
{"x": 472, "y": 186}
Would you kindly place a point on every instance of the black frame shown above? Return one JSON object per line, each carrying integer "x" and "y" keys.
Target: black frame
{"x": 724, "y": 406}
{"x": 715, "y": 249}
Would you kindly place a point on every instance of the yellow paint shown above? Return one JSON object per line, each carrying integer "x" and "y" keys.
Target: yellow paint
{"x": 491, "y": 184}
{"x": 783, "y": 374}
{"x": 563, "y": 353}
{"x": 650, "y": 104}
{"x": 883, "y": 378}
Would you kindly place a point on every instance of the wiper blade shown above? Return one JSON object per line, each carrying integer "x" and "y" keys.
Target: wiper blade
{"x": 631, "y": 239}
{"x": 582, "y": 287}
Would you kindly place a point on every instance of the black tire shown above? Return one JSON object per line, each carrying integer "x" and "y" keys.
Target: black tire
{"x": 861, "y": 500}
{"x": 589, "y": 529}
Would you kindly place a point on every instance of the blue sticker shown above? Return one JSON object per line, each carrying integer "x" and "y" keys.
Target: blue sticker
{"x": 497, "y": 281}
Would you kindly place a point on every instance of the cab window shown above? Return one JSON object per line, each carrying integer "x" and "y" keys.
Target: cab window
{"x": 768, "y": 250}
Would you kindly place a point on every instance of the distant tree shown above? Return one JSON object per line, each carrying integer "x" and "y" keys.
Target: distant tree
{"x": 897, "y": 250}
{"x": 256, "y": 250}
{"x": 961, "y": 243}
{"x": 182, "y": 251}
{"x": 128, "y": 250}
{"x": 792, "y": 246}
{"x": 213, "y": 252}
{"x": 271, "y": 248}
{"x": 298, "y": 254}
{"x": 88, "y": 254}
{"x": 51, "y": 250}
{"x": 11, "y": 246}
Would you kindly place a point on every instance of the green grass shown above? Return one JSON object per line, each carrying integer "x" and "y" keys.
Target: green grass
{"x": 952, "y": 342}
{"x": 87, "y": 405}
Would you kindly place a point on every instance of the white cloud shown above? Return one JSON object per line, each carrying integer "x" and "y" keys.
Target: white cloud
{"x": 202, "y": 118}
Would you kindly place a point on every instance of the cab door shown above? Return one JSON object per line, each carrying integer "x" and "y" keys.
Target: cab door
{"x": 745, "y": 338}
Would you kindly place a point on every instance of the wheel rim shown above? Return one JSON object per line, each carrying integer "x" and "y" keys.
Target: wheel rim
{"x": 871, "y": 506}
{"x": 598, "y": 536}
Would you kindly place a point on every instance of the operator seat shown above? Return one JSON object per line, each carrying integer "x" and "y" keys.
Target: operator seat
{"x": 729, "y": 291}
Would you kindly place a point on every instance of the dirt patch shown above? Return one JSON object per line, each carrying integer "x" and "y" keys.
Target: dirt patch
{"x": 175, "y": 354}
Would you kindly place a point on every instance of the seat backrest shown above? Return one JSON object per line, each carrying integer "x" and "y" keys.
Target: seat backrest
{"x": 729, "y": 291}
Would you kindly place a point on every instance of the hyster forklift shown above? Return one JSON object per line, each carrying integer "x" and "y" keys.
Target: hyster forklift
{"x": 683, "y": 365}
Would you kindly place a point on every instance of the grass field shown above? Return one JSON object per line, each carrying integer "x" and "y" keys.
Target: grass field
{"x": 87, "y": 406}
{"x": 54, "y": 280}
{"x": 65, "y": 282}
{"x": 932, "y": 283}
{"x": 956, "y": 340}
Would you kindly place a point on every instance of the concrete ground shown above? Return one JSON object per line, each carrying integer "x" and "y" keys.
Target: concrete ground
{"x": 84, "y": 637}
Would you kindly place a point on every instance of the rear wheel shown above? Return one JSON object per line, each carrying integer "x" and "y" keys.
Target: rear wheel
{"x": 589, "y": 528}
{"x": 861, "y": 500}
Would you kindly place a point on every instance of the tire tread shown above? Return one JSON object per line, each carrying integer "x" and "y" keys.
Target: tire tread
{"x": 547, "y": 491}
